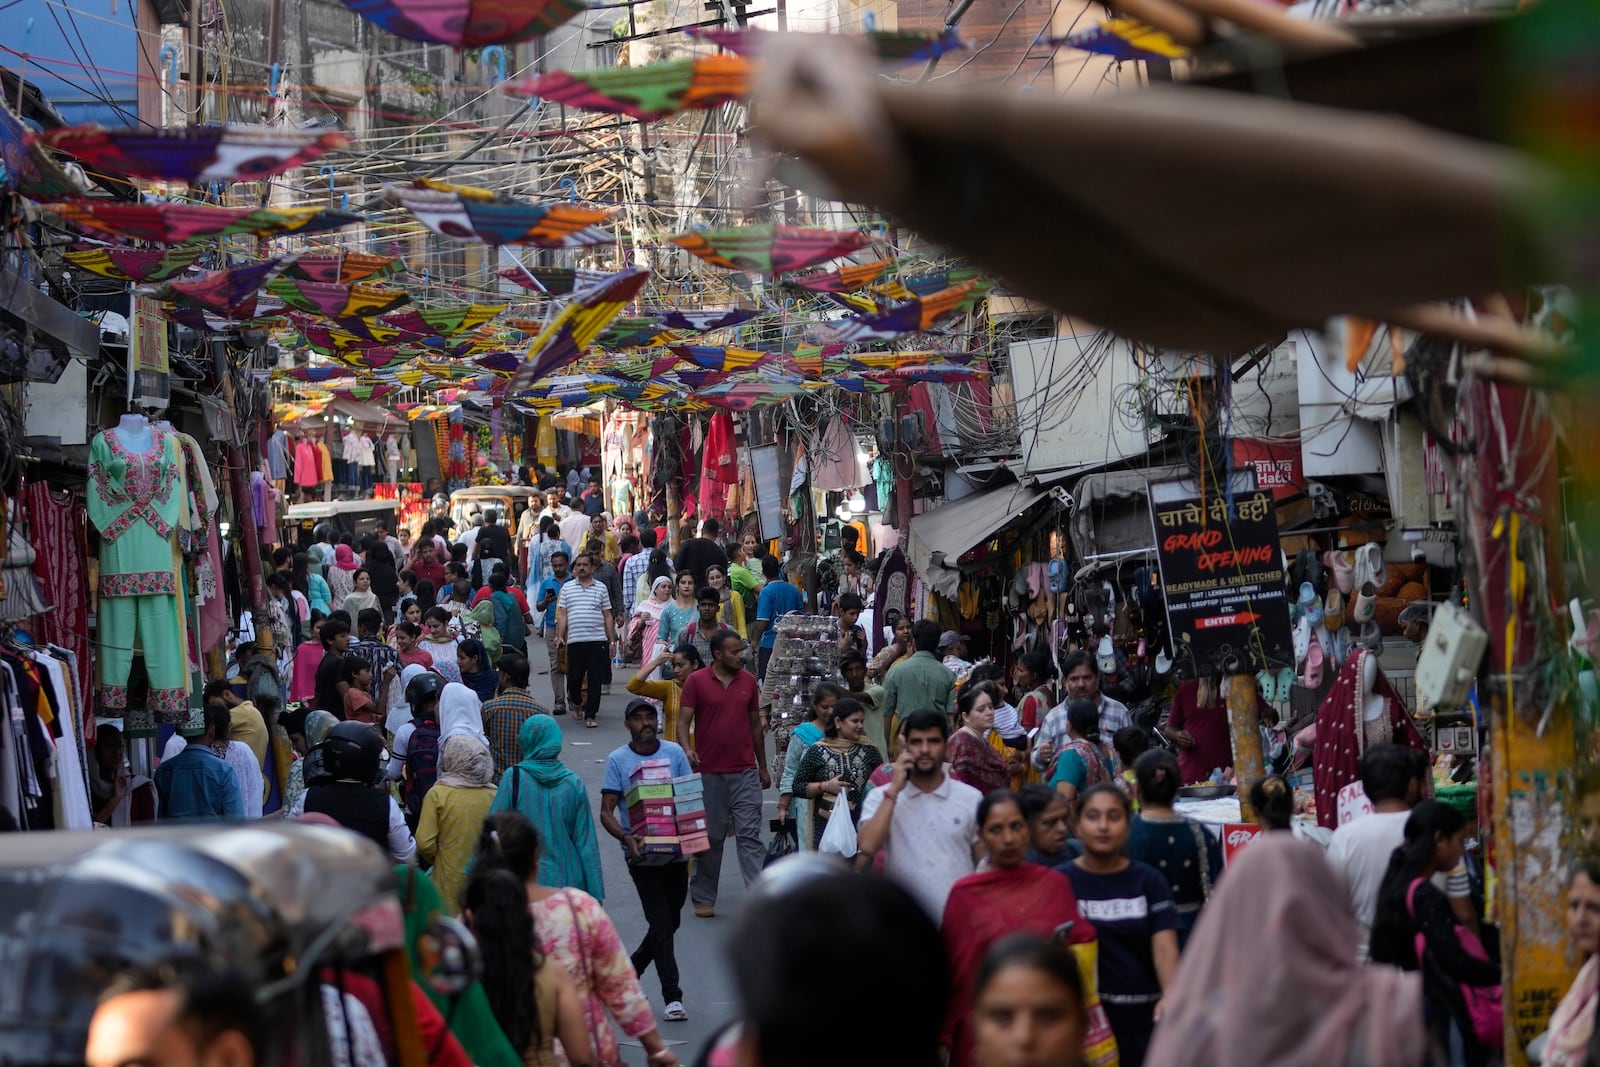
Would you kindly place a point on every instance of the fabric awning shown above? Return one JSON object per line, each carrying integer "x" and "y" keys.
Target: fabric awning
{"x": 1112, "y": 512}
{"x": 938, "y": 539}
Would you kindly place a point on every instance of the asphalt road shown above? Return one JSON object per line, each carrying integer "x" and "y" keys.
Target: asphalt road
{"x": 702, "y": 962}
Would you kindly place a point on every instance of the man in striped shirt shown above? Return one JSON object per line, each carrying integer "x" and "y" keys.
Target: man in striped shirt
{"x": 636, "y": 567}
{"x": 586, "y": 628}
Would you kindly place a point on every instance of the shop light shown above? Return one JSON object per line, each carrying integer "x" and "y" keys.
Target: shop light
{"x": 857, "y": 505}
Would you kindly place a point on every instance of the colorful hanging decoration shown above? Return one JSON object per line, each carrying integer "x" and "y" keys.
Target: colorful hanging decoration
{"x": 194, "y": 154}
{"x": 577, "y": 325}
{"x": 466, "y": 23}
{"x": 935, "y": 371}
{"x": 847, "y": 279}
{"x": 365, "y": 393}
{"x": 27, "y": 168}
{"x": 226, "y": 292}
{"x": 1123, "y": 39}
{"x": 135, "y": 265}
{"x": 337, "y": 300}
{"x": 555, "y": 281}
{"x": 701, "y": 320}
{"x": 467, "y": 213}
{"x": 650, "y": 92}
{"x": 894, "y": 46}
{"x": 209, "y": 321}
{"x": 314, "y": 374}
{"x": 722, "y": 359}
{"x": 769, "y": 248}
{"x": 345, "y": 267}
{"x": 442, "y": 320}
{"x": 174, "y": 223}
{"x": 917, "y": 314}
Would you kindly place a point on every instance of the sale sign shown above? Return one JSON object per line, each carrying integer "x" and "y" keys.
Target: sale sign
{"x": 1236, "y": 835}
{"x": 1222, "y": 575}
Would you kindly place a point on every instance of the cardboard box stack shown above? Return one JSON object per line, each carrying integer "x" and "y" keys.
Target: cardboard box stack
{"x": 667, "y": 814}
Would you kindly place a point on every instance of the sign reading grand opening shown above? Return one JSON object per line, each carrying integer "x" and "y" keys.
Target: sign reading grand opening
{"x": 1224, "y": 583}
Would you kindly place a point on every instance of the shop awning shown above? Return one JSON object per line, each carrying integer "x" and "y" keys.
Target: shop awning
{"x": 939, "y": 538}
{"x": 1112, "y": 512}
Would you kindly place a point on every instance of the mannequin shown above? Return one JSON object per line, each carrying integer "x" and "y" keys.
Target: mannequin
{"x": 137, "y": 502}
{"x": 1360, "y": 710}
{"x": 134, "y": 431}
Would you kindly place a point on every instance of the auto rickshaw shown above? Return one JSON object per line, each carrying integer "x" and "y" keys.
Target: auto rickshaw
{"x": 510, "y": 500}
{"x": 289, "y": 908}
{"x": 355, "y": 517}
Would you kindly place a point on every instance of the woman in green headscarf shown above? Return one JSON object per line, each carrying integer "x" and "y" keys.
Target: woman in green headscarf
{"x": 469, "y": 1016}
{"x": 552, "y": 797}
{"x": 316, "y": 727}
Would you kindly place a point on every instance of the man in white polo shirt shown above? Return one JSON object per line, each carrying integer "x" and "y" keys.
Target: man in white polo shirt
{"x": 584, "y": 624}
{"x": 927, "y": 820}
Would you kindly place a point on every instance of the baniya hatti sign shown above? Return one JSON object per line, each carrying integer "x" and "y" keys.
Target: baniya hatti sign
{"x": 1222, "y": 573}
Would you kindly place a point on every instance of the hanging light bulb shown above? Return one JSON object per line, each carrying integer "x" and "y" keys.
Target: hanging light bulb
{"x": 858, "y": 503}
{"x": 844, "y": 513}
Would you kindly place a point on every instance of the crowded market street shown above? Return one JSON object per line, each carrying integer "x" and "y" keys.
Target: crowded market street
{"x": 898, "y": 533}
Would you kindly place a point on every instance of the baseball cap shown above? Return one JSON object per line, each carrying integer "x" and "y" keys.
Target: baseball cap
{"x": 949, "y": 639}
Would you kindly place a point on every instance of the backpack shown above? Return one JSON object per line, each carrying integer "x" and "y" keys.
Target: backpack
{"x": 422, "y": 763}
{"x": 508, "y": 620}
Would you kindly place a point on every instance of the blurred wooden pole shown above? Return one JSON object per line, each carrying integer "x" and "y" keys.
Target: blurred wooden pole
{"x": 1244, "y": 717}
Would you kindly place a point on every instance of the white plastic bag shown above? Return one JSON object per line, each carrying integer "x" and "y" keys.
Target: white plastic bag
{"x": 839, "y": 836}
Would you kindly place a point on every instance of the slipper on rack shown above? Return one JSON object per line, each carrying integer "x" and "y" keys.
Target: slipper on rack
{"x": 1268, "y": 681}
{"x": 1342, "y": 570}
{"x": 1302, "y": 640}
{"x": 1314, "y": 661}
{"x": 1309, "y": 604}
{"x": 1333, "y": 609}
{"x": 1285, "y": 682}
{"x": 1366, "y": 605}
{"x": 1371, "y": 637}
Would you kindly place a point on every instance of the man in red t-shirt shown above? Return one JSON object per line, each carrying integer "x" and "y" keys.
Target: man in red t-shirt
{"x": 720, "y": 704}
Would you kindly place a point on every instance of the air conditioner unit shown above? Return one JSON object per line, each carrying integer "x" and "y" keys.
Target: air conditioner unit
{"x": 1450, "y": 658}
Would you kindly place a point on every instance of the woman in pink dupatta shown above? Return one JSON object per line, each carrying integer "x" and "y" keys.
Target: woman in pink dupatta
{"x": 1343, "y": 735}
{"x": 1270, "y": 977}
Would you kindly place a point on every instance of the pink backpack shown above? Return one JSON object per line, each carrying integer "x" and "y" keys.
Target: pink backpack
{"x": 1484, "y": 1002}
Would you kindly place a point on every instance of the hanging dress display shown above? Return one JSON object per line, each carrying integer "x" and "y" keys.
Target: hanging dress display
{"x": 58, "y": 531}
{"x": 1343, "y": 734}
{"x": 720, "y": 471}
{"x": 136, "y": 502}
{"x": 307, "y": 464}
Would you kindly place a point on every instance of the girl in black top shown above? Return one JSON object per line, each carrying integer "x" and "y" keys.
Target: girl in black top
{"x": 1410, "y": 904}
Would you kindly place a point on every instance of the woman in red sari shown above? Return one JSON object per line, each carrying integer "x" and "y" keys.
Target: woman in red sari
{"x": 1011, "y": 896}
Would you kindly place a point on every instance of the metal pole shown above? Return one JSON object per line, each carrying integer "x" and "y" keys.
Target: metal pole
{"x": 1514, "y": 515}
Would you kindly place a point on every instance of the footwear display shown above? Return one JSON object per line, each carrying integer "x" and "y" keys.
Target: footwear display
{"x": 1333, "y": 609}
{"x": 1366, "y": 605}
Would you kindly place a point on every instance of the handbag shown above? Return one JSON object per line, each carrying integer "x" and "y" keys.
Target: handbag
{"x": 1485, "y": 1003}
{"x": 589, "y": 1023}
{"x": 839, "y": 836}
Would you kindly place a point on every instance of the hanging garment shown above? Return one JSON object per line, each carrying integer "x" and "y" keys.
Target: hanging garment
{"x": 720, "y": 470}
{"x": 135, "y": 502}
{"x": 1342, "y": 734}
{"x": 324, "y": 462}
{"x": 892, "y": 595}
{"x": 307, "y": 464}
{"x": 834, "y": 463}
{"x": 59, "y": 534}
{"x": 278, "y": 456}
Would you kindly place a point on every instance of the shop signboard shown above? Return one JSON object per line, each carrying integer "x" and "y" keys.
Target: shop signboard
{"x": 1236, "y": 835}
{"x": 149, "y": 364}
{"x": 1278, "y": 466}
{"x": 1222, "y": 576}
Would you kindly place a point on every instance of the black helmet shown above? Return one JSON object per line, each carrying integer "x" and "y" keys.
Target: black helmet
{"x": 423, "y": 688}
{"x": 351, "y": 752}
{"x": 322, "y": 531}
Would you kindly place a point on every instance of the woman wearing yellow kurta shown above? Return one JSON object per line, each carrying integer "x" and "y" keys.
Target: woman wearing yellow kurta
{"x": 685, "y": 661}
{"x": 732, "y": 614}
{"x": 453, "y": 813}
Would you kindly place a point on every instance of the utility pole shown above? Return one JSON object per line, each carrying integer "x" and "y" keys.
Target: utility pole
{"x": 1514, "y": 514}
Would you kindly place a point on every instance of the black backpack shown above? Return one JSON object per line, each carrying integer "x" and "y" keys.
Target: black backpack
{"x": 422, "y": 763}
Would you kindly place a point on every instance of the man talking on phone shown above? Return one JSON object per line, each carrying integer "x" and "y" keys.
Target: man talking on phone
{"x": 927, "y": 820}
